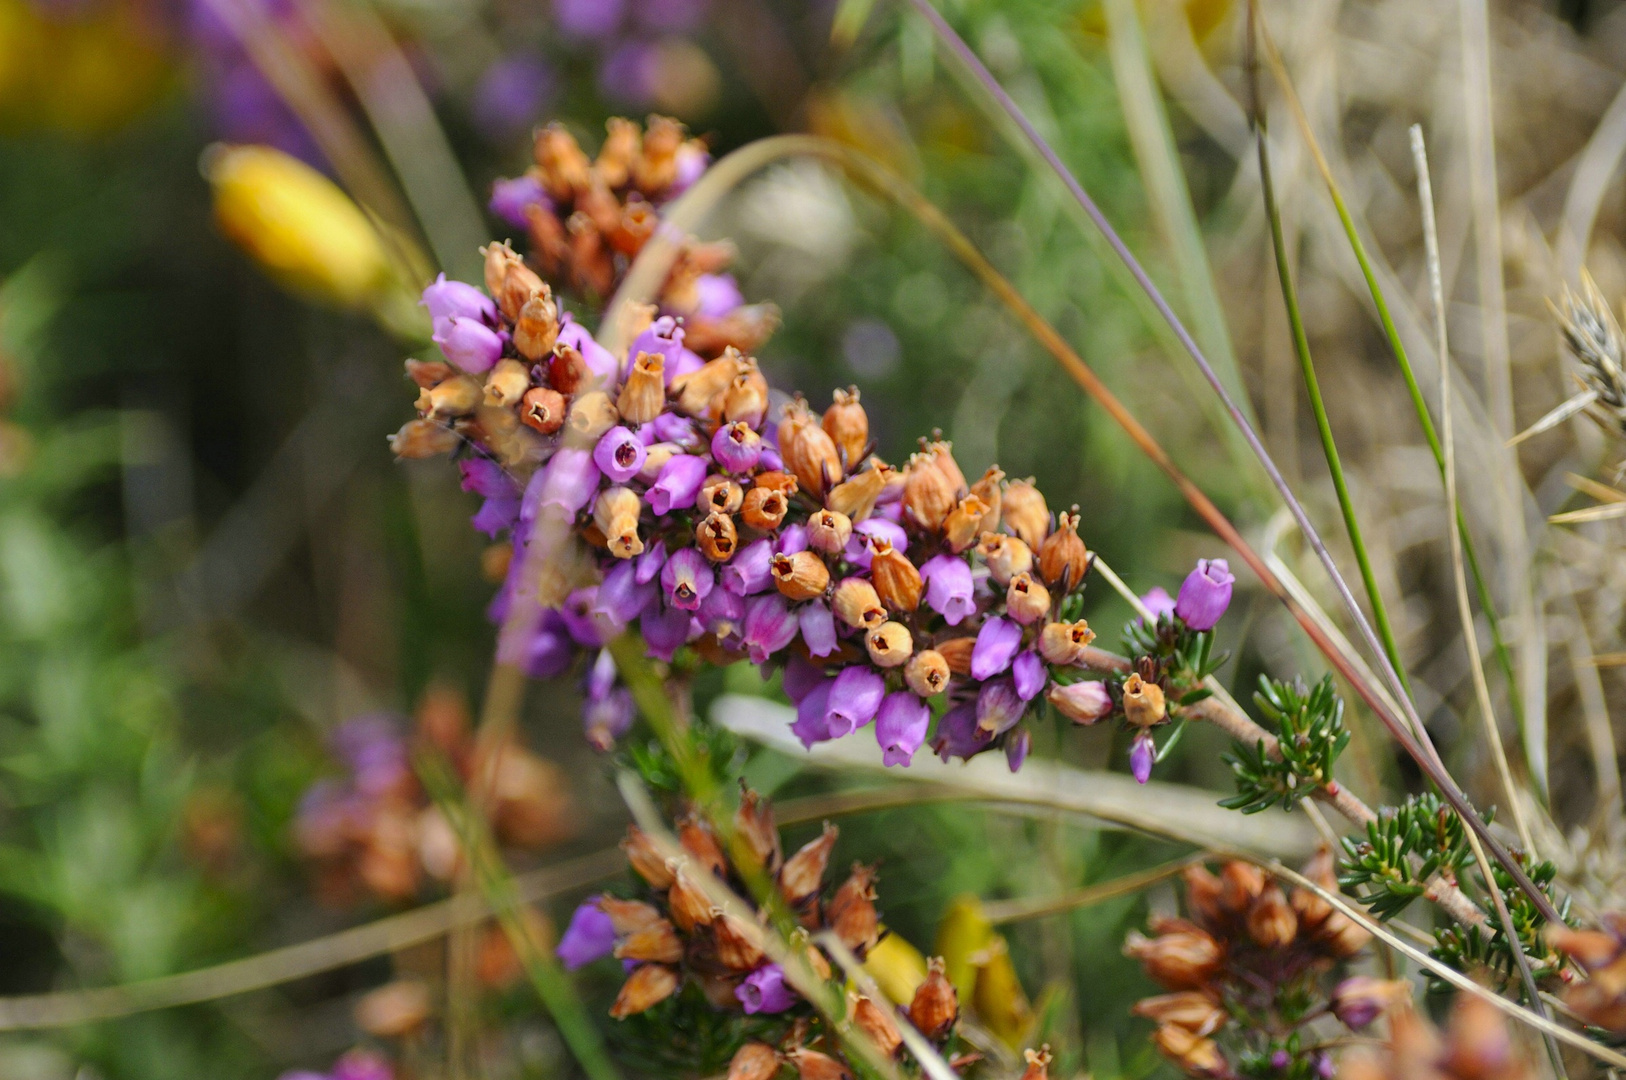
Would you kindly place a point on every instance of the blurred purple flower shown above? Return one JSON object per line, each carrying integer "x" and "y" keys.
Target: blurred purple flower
{"x": 818, "y": 628}
{"x": 551, "y": 649}
{"x": 812, "y": 724}
{"x": 510, "y": 198}
{"x": 570, "y": 480}
{"x": 769, "y": 626}
{"x": 764, "y": 991}
{"x": 958, "y": 734}
{"x": 999, "y": 707}
{"x": 1030, "y": 674}
{"x": 468, "y": 343}
{"x": 801, "y": 678}
{"x": 446, "y": 298}
{"x": 1158, "y": 602}
{"x": 665, "y": 631}
{"x": 717, "y": 295}
{"x": 361, "y": 1065}
{"x": 627, "y": 75}
{"x": 588, "y": 18}
{"x": 512, "y": 94}
{"x": 747, "y": 573}
{"x": 372, "y": 746}
{"x": 590, "y": 936}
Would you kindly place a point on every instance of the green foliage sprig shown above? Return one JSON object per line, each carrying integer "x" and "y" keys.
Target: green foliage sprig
{"x": 1184, "y": 656}
{"x": 1311, "y": 734}
{"x": 1403, "y": 848}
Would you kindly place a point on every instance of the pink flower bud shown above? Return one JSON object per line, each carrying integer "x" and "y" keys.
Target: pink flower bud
{"x": 854, "y": 698}
{"x": 447, "y": 298}
{"x": 468, "y": 343}
{"x": 996, "y": 647}
{"x": 949, "y": 588}
{"x": 678, "y": 484}
{"x": 1081, "y": 702}
{"x": 900, "y": 727}
{"x": 1205, "y": 594}
{"x": 769, "y": 626}
{"x": 1141, "y": 756}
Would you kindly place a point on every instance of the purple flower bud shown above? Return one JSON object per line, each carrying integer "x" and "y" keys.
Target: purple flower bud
{"x": 468, "y": 343}
{"x": 590, "y": 936}
{"x": 1158, "y": 602}
{"x": 818, "y": 628}
{"x": 601, "y": 675}
{"x": 860, "y": 546}
{"x": 812, "y": 715}
{"x": 510, "y": 199}
{"x": 550, "y": 649}
{"x": 577, "y": 613}
{"x": 600, "y": 361}
{"x": 686, "y": 579}
{"x": 651, "y": 561}
{"x": 736, "y": 449}
{"x": 620, "y": 599}
{"x": 1325, "y": 1067}
{"x": 619, "y": 455}
{"x": 372, "y": 747}
{"x": 792, "y": 538}
{"x": 769, "y": 626}
{"x": 687, "y": 364}
{"x": 1205, "y": 594}
{"x": 801, "y": 678}
{"x": 663, "y": 338}
{"x": 495, "y": 515}
{"x": 770, "y": 459}
{"x": 511, "y": 94}
{"x": 1081, "y": 702}
{"x": 665, "y": 631}
{"x": 1030, "y": 674}
{"x": 678, "y": 484}
{"x": 948, "y": 587}
{"x": 1141, "y": 755}
{"x": 445, "y": 299}
{"x": 999, "y": 707}
{"x": 717, "y": 295}
{"x": 996, "y": 647}
{"x": 569, "y": 480}
{"x": 588, "y": 18}
{"x": 722, "y": 613}
{"x": 854, "y": 698}
{"x": 748, "y": 573}
{"x": 958, "y": 734}
{"x": 692, "y": 162}
{"x": 1280, "y": 1060}
{"x": 764, "y": 991}
{"x": 900, "y": 727}
{"x": 606, "y": 719}
{"x": 361, "y": 1065}
{"x": 672, "y": 427}
{"x": 1017, "y": 747}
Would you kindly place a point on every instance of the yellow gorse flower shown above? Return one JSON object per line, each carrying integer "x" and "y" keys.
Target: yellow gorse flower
{"x": 296, "y": 223}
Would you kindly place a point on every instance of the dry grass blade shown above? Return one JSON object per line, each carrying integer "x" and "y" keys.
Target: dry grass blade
{"x": 1009, "y": 911}
{"x": 1588, "y": 486}
{"x": 1613, "y": 659}
{"x": 1560, "y": 413}
{"x": 1606, "y": 512}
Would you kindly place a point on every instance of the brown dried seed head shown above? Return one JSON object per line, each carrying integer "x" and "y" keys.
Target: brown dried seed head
{"x": 616, "y": 515}
{"x": 782, "y": 482}
{"x": 875, "y": 1022}
{"x": 457, "y": 396}
{"x": 716, "y": 537}
{"x": 1203, "y": 896}
{"x": 1592, "y": 949}
{"x": 935, "y": 1006}
{"x": 1271, "y": 922}
{"x": 746, "y": 399}
{"x": 1023, "y": 510}
{"x": 1197, "y": 1056}
{"x": 1311, "y": 909}
{"x": 852, "y": 911}
{"x": 622, "y": 143}
{"x": 1026, "y": 600}
{"x": 927, "y": 673}
{"x": 536, "y": 329}
{"x": 498, "y": 259}
{"x": 697, "y": 839}
{"x": 1064, "y": 643}
{"x": 1006, "y": 556}
{"x": 543, "y": 409}
{"x": 694, "y": 391}
{"x": 646, "y": 987}
{"x": 897, "y": 582}
{"x": 519, "y": 285}
{"x": 643, "y": 395}
{"x": 645, "y": 859}
{"x": 1143, "y": 702}
{"x": 689, "y": 906}
{"x": 855, "y": 497}
{"x": 565, "y": 169}
{"x": 957, "y": 653}
{"x": 753, "y": 823}
{"x": 847, "y": 425}
{"x": 965, "y": 523}
{"x": 654, "y": 170}
{"x": 591, "y": 415}
{"x": 1063, "y": 559}
{"x": 506, "y": 383}
{"x": 1341, "y": 937}
{"x": 427, "y": 373}
{"x": 720, "y": 495}
{"x": 812, "y": 1065}
{"x": 754, "y": 1061}
{"x": 1038, "y": 1064}
{"x": 890, "y": 645}
{"x": 807, "y": 451}
{"x": 856, "y": 603}
{"x": 764, "y": 508}
{"x": 423, "y": 439}
{"x": 802, "y": 876}
{"x": 828, "y": 531}
{"x": 1241, "y": 884}
{"x": 942, "y": 454}
{"x": 739, "y": 943}
{"x": 568, "y": 372}
{"x": 990, "y": 490}
{"x": 928, "y": 494}
{"x": 1181, "y": 960}
{"x": 1195, "y": 1010}
{"x": 629, "y": 916}
{"x": 655, "y": 944}
{"x": 800, "y": 576}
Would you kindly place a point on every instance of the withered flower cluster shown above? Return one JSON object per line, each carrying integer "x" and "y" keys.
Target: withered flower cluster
{"x": 1600, "y": 998}
{"x": 374, "y": 830}
{"x": 1476, "y": 1045}
{"x": 1248, "y": 970}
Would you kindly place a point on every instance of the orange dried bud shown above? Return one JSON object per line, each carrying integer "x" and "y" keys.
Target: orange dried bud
{"x": 828, "y": 531}
{"x": 1203, "y": 896}
{"x": 643, "y": 395}
{"x": 1241, "y": 884}
{"x": 807, "y": 451}
{"x": 720, "y": 495}
{"x": 852, "y": 911}
{"x": 800, "y": 576}
{"x": 928, "y": 494}
{"x": 1311, "y": 909}
{"x": 1196, "y": 1055}
{"x": 1006, "y": 556}
{"x": 1024, "y": 512}
{"x": 782, "y": 482}
{"x": 875, "y": 1022}
{"x": 1271, "y": 922}
{"x": 746, "y": 399}
{"x": 942, "y": 454}
{"x": 897, "y": 582}
{"x": 536, "y": 328}
{"x": 645, "y": 859}
{"x": 622, "y": 144}
{"x": 812, "y": 1065}
{"x": 423, "y": 439}
{"x": 927, "y": 673}
{"x": 889, "y": 644}
{"x": 689, "y": 906}
{"x": 394, "y": 1010}
{"x": 1063, "y": 559}
{"x": 716, "y": 537}
{"x": 1181, "y": 960}
{"x": 1592, "y": 949}
{"x": 1341, "y": 937}
{"x": 847, "y": 424}
{"x": 458, "y": 396}
{"x": 498, "y": 259}
{"x": 427, "y": 373}
{"x": 646, "y": 987}
{"x": 1038, "y": 1064}
{"x": 855, "y": 497}
{"x": 935, "y": 1006}
{"x": 519, "y": 286}
{"x": 543, "y": 409}
{"x": 753, "y": 823}
{"x": 856, "y": 603}
{"x": 568, "y": 372}
{"x": 964, "y": 523}
{"x": 1143, "y": 702}
{"x": 494, "y": 562}
{"x": 656, "y": 944}
{"x": 754, "y": 1061}
{"x": 616, "y": 515}
{"x": 802, "y": 876}
{"x": 507, "y": 383}
{"x": 1026, "y": 600}
{"x": 591, "y": 415}
{"x": 700, "y": 843}
{"x": 764, "y": 508}
{"x": 739, "y": 943}
{"x": 1064, "y": 642}
{"x": 654, "y": 170}
{"x": 988, "y": 489}
{"x": 564, "y": 169}
{"x": 957, "y": 653}
{"x": 1195, "y": 1010}
{"x": 695, "y": 391}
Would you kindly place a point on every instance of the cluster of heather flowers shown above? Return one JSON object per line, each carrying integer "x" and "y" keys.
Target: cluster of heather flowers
{"x": 374, "y": 831}
{"x": 1600, "y": 998}
{"x": 1247, "y": 976}
{"x": 1476, "y": 1045}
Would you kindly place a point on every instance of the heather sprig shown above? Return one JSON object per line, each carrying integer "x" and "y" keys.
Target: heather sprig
{"x": 1405, "y": 847}
{"x": 1310, "y": 734}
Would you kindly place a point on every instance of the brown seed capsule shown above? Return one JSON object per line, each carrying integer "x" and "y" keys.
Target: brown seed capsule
{"x": 519, "y": 286}
{"x": 629, "y": 916}
{"x": 645, "y": 859}
{"x": 622, "y": 144}
{"x": 616, "y": 515}
{"x": 942, "y": 454}
{"x": 928, "y": 494}
{"x": 568, "y": 372}
{"x": 689, "y": 906}
{"x": 507, "y": 383}
{"x": 643, "y": 395}
{"x": 746, "y": 398}
{"x": 1038, "y": 1064}
{"x": 656, "y": 167}
{"x": 802, "y": 876}
{"x": 720, "y": 495}
{"x": 543, "y": 409}
{"x": 646, "y": 987}
{"x": 1063, "y": 559}
{"x": 536, "y": 329}
{"x": 1006, "y": 556}
{"x": 1197, "y": 1056}
{"x": 852, "y": 911}
{"x": 1024, "y": 512}
{"x": 956, "y": 652}
{"x": 427, "y": 373}
{"x": 764, "y": 509}
{"x": 875, "y": 1022}
{"x": 564, "y": 169}
{"x": 635, "y": 227}
{"x": 1026, "y": 600}
{"x": 591, "y": 415}
{"x": 1341, "y": 937}
{"x": 739, "y": 943}
{"x": 655, "y": 457}
{"x": 897, "y": 582}
{"x": 694, "y": 392}
{"x": 807, "y": 451}
{"x": 423, "y": 439}
{"x": 654, "y": 944}
{"x": 753, "y": 823}
{"x": 935, "y": 1005}
{"x": 828, "y": 531}
{"x": 848, "y": 426}
{"x": 1240, "y": 885}
{"x": 964, "y": 523}
{"x": 1143, "y": 702}
{"x": 812, "y": 1065}
{"x": 394, "y": 1010}
{"x": 927, "y": 673}
{"x": 1194, "y": 1010}
{"x": 889, "y": 644}
{"x": 1310, "y": 908}
{"x": 448, "y": 400}
{"x": 856, "y": 604}
{"x": 989, "y": 490}
{"x": 782, "y": 482}
{"x": 697, "y": 839}
{"x": 1181, "y": 960}
{"x": 498, "y": 258}
{"x": 800, "y": 576}
{"x": 856, "y": 497}
{"x": 754, "y": 1061}
{"x": 1203, "y": 896}
{"x": 1271, "y": 922}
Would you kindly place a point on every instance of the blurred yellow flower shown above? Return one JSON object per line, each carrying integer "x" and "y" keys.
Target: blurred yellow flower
{"x": 978, "y": 962}
{"x": 297, "y": 224}
{"x": 83, "y": 73}
{"x": 897, "y": 967}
